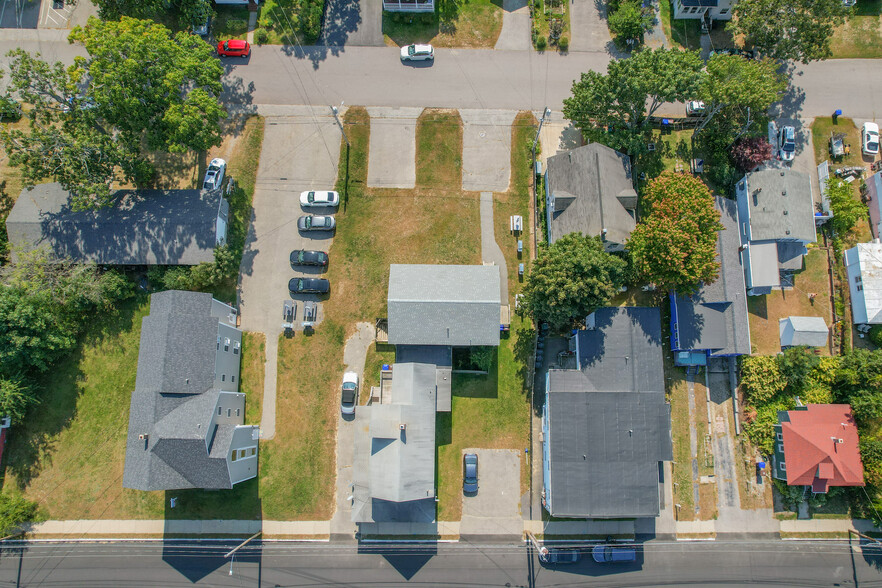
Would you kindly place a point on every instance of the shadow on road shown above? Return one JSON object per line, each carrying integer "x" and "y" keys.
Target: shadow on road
{"x": 406, "y": 559}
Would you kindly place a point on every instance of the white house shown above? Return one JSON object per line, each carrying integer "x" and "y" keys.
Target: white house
{"x": 864, "y": 266}
{"x": 706, "y": 9}
{"x": 409, "y": 5}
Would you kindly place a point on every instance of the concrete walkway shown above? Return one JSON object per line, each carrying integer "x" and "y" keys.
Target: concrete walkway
{"x": 353, "y": 357}
{"x": 490, "y": 251}
{"x": 252, "y": 24}
{"x": 693, "y": 442}
{"x": 270, "y": 385}
{"x": 588, "y": 26}
{"x": 515, "y": 35}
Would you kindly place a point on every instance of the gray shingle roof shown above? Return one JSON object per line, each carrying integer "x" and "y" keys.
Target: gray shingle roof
{"x": 443, "y": 305}
{"x": 803, "y": 330}
{"x": 146, "y": 227}
{"x": 394, "y": 469}
{"x": 174, "y": 399}
{"x": 597, "y": 176}
{"x": 771, "y": 193}
{"x": 715, "y": 317}
{"x": 609, "y": 425}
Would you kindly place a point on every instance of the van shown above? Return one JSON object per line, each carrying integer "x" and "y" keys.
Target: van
{"x": 614, "y": 553}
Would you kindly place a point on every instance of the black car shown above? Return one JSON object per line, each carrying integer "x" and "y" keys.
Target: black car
{"x": 306, "y": 257}
{"x": 559, "y": 556}
{"x": 309, "y": 285}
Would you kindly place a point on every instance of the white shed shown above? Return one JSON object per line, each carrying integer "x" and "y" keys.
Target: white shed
{"x": 803, "y": 330}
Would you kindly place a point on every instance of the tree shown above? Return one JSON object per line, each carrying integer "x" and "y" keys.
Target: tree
{"x": 789, "y": 29}
{"x": 570, "y": 279}
{"x": 140, "y": 88}
{"x": 749, "y": 152}
{"x": 796, "y": 365}
{"x": 15, "y": 398}
{"x": 183, "y": 12}
{"x": 15, "y": 510}
{"x": 614, "y": 109}
{"x": 847, "y": 210}
{"x": 761, "y": 378}
{"x": 629, "y": 22}
{"x": 674, "y": 246}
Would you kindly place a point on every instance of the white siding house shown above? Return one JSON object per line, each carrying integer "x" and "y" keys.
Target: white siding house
{"x": 864, "y": 266}
{"x": 707, "y": 9}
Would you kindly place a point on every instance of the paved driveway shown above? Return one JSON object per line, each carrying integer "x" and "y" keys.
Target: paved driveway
{"x": 300, "y": 152}
{"x": 495, "y": 509}
{"x": 486, "y": 149}
{"x": 353, "y": 23}
{"x": 392, "y": 158}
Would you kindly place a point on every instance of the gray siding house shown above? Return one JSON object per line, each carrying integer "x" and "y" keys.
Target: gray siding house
{"x": 186, "y": 418}
{"x": 606, "y": 426}
{"x": 777, "y": 220}
{"x": 589, "y": 190}
{"x": 140, "y": 227}
{"x": 394, "y": 466}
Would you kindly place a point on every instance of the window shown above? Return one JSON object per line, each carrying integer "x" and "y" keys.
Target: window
{"x": 220, "y": 410}
{"x": 781, "y": 466}
{"x": 860, "y": 288}
{"x": 724, "y": 11}
{"x": 857, "y": 280}
{"x": 227, "y": 344}
{"x": 232, "y": 378}
{"x": 779, "y": 437}
{"x": 218, "y": 341}
{"x": 781, "y": 447}
{"x": 237, "y": 412}
{"x": 229, "y": 412}
{"x": 236, "y": 348}
{"x": 223, "y": 377}
{"x": 243, "y": 453}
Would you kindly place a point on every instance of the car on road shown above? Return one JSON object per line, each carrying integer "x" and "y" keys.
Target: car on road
{"x": 559, "y": 556}
{"x": 309, "y": 286}
{"x": 316, "y": 223}
{"x": 695, "y": 108}
{"x": 614, "y": 553}
{"x": 349, "y": 393}
{"x": 870, "y": 138}
{"x": 417, "y": 53}
{"x": 316, "y": 198}
{"x": 233, "y": 48}
{"x": 308, "y": 257}
{"x": 214, "y": 175}
{"x": 470, "y": 473}
{"x": 787, "y": 143}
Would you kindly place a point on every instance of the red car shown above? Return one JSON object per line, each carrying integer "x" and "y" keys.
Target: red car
{"x": 234, "y": 48}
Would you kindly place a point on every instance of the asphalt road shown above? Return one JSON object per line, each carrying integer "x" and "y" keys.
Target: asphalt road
{"x": 804, "y": 564}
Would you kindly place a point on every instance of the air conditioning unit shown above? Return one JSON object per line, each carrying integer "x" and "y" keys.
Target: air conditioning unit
{"x": 5, "y": 422}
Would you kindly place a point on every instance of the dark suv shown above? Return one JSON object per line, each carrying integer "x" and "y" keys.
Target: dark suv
{"x": 309, "y": 286}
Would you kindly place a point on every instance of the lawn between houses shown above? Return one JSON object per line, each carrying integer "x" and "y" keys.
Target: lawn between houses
{"x": 475, "y": 24}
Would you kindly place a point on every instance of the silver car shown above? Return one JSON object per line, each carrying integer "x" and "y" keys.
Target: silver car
{"x": 316, "y": 223}
{"x": 787, "y": 143}
{"x": 417, "y": 53}
{"x": 214, "y": 175}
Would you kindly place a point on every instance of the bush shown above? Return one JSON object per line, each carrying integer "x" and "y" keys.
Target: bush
{"x": 260, "y": 36}
{"x": 749, "y": 152}
{"x": 761, "y": 378}
{"x": 427, "y": 18}
{"x": 563, "y": 43}
{"x": 629, "y": 22}
{"x": 875, "y": 335}
{"x": 541, "y": 43}
{"x": 15, "y": 510}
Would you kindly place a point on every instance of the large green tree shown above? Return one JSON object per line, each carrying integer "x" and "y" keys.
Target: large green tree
{"x": 789, "y": 29}
{"x": 571, "y": 278}
{"x": 614, "y": 109}
{"x": 185, "y": 12}
{"x": 674, "y": 245}
{"x": 140, "y": 89}
{"x": 847, "y": 210}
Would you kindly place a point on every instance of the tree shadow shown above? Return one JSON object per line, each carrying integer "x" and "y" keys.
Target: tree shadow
{"x": 791, "y": 103}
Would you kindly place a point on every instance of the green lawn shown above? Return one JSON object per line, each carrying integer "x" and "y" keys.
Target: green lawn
{"x": 439, "y": 132}
{"x": 476, "y": 24}
{"x": 230, "y": 22}
{"x": 861, "y": 35}
{"x": 684, "y": 33}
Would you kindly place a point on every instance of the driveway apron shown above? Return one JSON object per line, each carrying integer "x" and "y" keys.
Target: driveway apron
{"x": 486, "y": 149}
{"x": 515, "y": 35}
{"x": 353, "y": 23}
{"x": 392, "y": 158}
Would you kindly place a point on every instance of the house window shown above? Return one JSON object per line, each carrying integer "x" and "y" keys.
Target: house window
{"x": 857, "y": 280}
{"x": 724, "y": 11}
{"x": 244, "y": 453}
{"x": 779, "y": 437}
{"x": 223, "y": 377}
{"x": 232, "y": 378}
{"x": 220, "y": 410}
{"x": 781, "y": 447}
{"x": 781, "y": 465}
{"x": 229, "y": 412}
{"x": 236, "y": 348}
{"x": 860, "y": 288}
{"x": 218, "y": 341}
{"x": 237, "y": 412}
{"x": 227, "y": 344}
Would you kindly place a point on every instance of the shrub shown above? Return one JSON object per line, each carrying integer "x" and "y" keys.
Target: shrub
{"x": 261, "y": 36}
{"x": 761, "y": 378}
{"x": 629, "y": 22}
{"x": 749, "y": 152}
{"x": 15, "y": 510}
{"x": 563, "y": 43}
{"x": 541, "y": 43}
{"x": 875, "y": 335}
{"x": 427, "y": 18}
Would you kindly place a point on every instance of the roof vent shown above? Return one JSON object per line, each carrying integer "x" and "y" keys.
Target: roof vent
{"x": 783, "y": 192}
{"x": 144, "y": 437}
{"x": 782, "y": 173}
{"x": 402, "y": 426}
{"x": 785, "y": 213}
{"x": 787, "y": 232}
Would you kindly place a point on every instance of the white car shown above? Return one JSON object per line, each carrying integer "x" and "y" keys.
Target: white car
{"x": 870, "y": 138}
{"x": 787, "y": 143}
{"x": 214, "y": 175}
{"x": 349, "y": 393}
{"x": 417, "y": 53}
{"x": 316, "y": 198}
{"x": 695, "y": 108}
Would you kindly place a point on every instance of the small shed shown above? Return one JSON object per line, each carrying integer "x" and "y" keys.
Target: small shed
{"x": 803, "y": 330}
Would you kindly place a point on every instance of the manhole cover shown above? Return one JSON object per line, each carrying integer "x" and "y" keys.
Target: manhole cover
{"x": 483, "y": 134}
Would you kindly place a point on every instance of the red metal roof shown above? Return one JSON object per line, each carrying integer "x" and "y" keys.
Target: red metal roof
{"x": 821, "y": 447}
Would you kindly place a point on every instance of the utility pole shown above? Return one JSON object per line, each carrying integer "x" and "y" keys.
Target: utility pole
{"x": 232, "y": 554}
{"x": 334, "y": 111}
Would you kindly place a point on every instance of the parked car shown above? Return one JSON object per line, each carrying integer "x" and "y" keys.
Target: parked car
{"x": 349, "y": 393}
{"x": 315, "y": 198}
{"x": 559, "y": 556}
{"x": 316, "y": 223}
{"x": 201, "y": 26}
{"x": 870, "y": 138}
{"x": 309, "y": 286}
{"x": 417, "y": 53}
{"x": 470, "y": 473}
{"x": 79, "y": 103}
{"x": 307, "y": 257}
{"x": 695, "y": 108}
{"x": 787, "y": 143}
{"x": 233, "y": 48}
{"x": 214, "y": 175}
{"x": 614, "y": 553}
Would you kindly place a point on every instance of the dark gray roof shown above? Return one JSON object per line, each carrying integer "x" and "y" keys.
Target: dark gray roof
{"x": 142, "y": 227}
{"x": 623, "y": 351}
{"x": 443, "y": 305}
{"x": 442, "y": 358}
{"x": 605, "y": 448}
{"x": 715, "y": 317}
{"x": 771, "y": 193}
{"x": 597, "y": 176}
{"x": 174, "y": 399}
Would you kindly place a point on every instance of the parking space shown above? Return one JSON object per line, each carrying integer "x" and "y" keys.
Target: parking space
{"x": 495, "y": 508}
{"x": 20, "y": 14}
{"x": 392, "y": 158}
{"x": 486, "y": 149}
